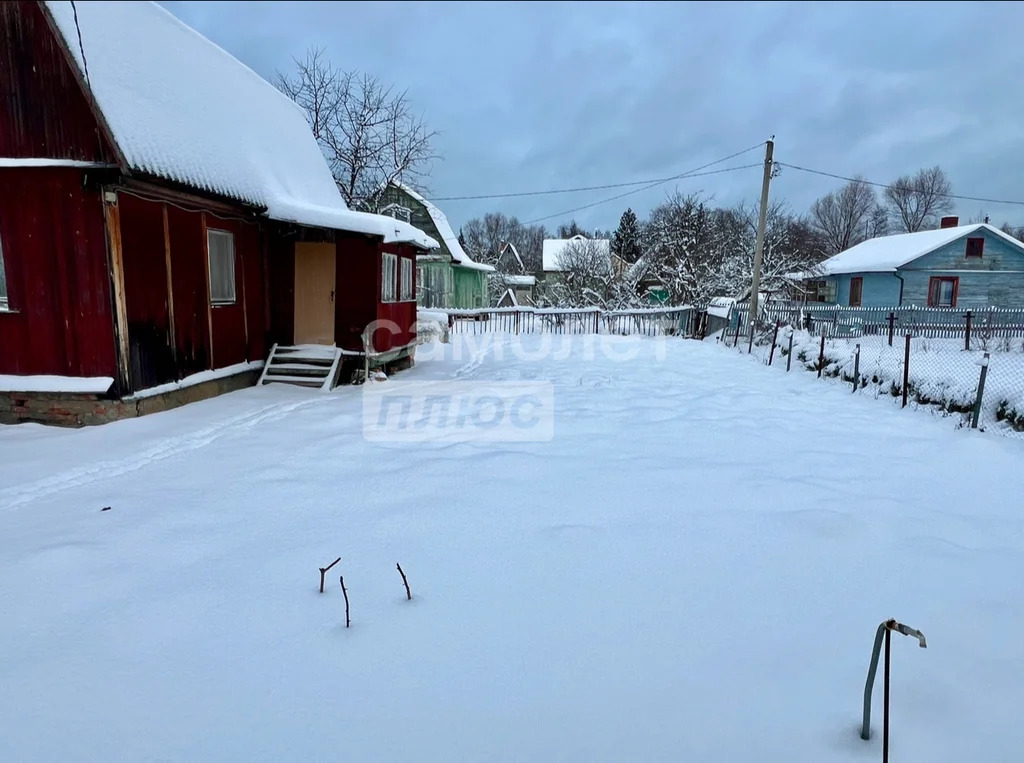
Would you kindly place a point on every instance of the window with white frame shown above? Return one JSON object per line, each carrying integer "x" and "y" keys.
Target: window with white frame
{"x": 389, "y": 277}
{"x": 220, "y": 245}
{"x": 4, "y": 302}
{"x": 407, "y": 290}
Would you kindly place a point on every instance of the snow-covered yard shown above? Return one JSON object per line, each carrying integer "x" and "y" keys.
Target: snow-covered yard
{"x": 943, "y": 376}
{"x": 691, "y": 568}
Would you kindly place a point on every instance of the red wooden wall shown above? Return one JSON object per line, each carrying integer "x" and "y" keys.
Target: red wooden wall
{"x": 44, "y": 112}
{"x": 359, "y": 296}
{"x": 399, "y": 316}
{"x": 188, "y": 284}
{"x": 281, "y": 286}
{"x": 55, "y": 255}
{"x": 357, "y": 273}
{"x": 238, "y": 330}
{"x": 151, "y": 357}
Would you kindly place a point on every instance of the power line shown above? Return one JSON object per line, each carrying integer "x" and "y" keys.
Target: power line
{"x": 640, "y": 190}
{"x": 81, "y": 48}
{"x": 691, "y": 173}
{"x": 606, "y": 186}
{"x": 888, "y": 185}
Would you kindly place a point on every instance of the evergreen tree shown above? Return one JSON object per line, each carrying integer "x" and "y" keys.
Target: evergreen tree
{"x": 570, "y": 230}
{"x": 626, "y": 241}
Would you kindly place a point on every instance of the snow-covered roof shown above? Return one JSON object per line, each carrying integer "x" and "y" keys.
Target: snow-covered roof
{"x": 512, "y": 280}
{"x": 554, "y": 247}
{"x": 444, "y": 228}
{"x": 721, "y": 307}
{"x": 182, "y": 109}
{"x": 507, "y": 246}
{"x": 887, "y": 253}
{"x": 508, "y": 299}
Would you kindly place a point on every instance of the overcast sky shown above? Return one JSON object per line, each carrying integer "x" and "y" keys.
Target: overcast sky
{"x": 536, "y": 96}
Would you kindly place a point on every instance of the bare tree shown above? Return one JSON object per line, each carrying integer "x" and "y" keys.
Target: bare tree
{"x": 848, "y": 216}
{"x": 916, "y": 202}
{"x": 585, "y": 278}
{"x": 789, "y": 248}
{"x": 485, "y": 236}
{"x": 367, "y": 131}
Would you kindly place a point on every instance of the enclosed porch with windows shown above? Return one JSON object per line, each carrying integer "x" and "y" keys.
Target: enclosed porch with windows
{"x": 339, "y": 302}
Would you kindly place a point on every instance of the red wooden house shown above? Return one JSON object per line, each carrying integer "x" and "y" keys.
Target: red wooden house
{"x": 166, "y": 217}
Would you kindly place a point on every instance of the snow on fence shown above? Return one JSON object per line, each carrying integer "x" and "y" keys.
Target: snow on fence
{"x": 923, "y": 371}
{"x": 589, "y": 320}
{"x": 976, "y": 327}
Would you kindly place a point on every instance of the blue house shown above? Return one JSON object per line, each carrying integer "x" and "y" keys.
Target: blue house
{"x": 969, "y": 266}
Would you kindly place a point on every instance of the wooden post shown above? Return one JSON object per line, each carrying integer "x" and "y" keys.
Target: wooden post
{"x": 344, "y": 593}
{"x": 750, "y": 339}
{"x": 170, "y": 286}
{"x": 323, "y": 572}
{"x": 517, "y": 322}
{"x": 821, "y": 352}
{"x": 967, "y": 332}
{"x": 981, "y": 392}
{"x": 113, "y": 224}
{"x": 856, "y": 369}
{"x": 206, "y": 271}
{"x": 775, "y": 336}
{"x": 736, "y": 340}
{"x": 892, "y": 326}
{"x": 789, "y": 354}
{"x": 906, "y": 371}
{"x": 405, "y": 582}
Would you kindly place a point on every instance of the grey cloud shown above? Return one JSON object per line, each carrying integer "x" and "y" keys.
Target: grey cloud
{"x": 541, "y": 95}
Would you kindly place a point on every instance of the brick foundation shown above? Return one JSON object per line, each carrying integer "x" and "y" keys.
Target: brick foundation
{"x": 78, "y": 410}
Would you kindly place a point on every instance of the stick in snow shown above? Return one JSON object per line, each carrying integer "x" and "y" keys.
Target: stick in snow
{"x": 323, "y": 572}
{"x": 408, "y": 593}
{"x": 345, "y": 594}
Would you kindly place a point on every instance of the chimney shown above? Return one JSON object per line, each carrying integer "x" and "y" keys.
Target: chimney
{"x": 949, "y": 222}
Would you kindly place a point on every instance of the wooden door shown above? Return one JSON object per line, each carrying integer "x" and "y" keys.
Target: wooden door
{"x": 314, "y": 293}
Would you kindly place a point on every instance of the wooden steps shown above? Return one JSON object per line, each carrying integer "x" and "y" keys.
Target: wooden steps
{"x": 305, "y": 365}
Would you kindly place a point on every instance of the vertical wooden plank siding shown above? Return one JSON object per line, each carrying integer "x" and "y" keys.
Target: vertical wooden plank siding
{"x": 113, "y": 221}
{"x": 56, "y": 258}
{"x": 240, "y": 255}
{"x": 206, "y": 270}
{"x": 45, "y": 111}
{"x": 170, "y": 285}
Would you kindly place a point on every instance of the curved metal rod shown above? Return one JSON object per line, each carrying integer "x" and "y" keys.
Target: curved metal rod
{"x": 865, "y": 726}
{"x": 906, "y": 630}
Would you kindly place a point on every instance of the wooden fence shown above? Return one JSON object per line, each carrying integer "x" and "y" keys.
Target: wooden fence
{"x": 669, "y": 321}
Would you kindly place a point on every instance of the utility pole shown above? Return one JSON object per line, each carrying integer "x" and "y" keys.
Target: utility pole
{"x": 755, "y": 285}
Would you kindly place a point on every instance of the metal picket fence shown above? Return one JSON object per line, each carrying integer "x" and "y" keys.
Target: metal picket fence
{"x": 668, "y": 321}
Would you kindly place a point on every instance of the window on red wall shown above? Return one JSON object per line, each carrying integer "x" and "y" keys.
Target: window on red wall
{"x": 975, "y": 247}
{"x": 856, "y": 291}
{"x": 407, "y": 293}
{"x": 942, "y": 291}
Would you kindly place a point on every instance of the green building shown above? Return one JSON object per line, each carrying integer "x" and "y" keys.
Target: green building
{"x": 445, "y": 277}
